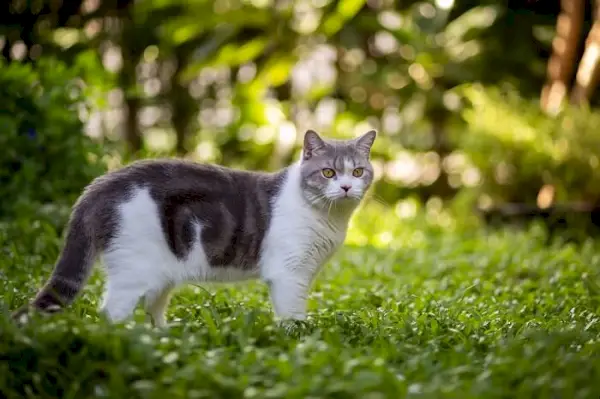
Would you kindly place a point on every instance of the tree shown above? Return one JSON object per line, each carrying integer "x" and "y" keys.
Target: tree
{"x": 563, "y": 60}
{"x": 588, "y": 71}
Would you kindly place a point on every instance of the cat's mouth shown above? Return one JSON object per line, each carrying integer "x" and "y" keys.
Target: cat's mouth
{"x": 335, "y": 198}
{"x": 346, "y": 197}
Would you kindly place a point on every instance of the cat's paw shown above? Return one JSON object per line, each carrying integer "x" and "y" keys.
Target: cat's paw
{"x": 293, "y": 327}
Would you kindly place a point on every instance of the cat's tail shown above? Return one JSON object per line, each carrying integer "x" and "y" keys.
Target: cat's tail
{"x": 71, "y": 271}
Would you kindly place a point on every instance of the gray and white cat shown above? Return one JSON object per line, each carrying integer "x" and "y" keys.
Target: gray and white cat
{"x": 161, "y": 223}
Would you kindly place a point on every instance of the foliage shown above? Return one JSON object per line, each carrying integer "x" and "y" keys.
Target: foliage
{"x": 238, "y": 82}
{"x": 45, "y": 157}
{"x": 415, "y": 310}
{"x": 518, "y": 149}
{"x": 211, "y": 72}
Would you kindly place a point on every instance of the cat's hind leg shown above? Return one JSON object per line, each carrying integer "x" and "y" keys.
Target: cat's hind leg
{"x": 128, "y": 280}
{"x": 121, "y": 297}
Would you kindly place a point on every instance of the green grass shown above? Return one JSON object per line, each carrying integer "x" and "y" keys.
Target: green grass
{"x": 407, "y": 309}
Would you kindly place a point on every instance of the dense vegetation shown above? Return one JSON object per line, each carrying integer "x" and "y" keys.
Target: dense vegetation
{"x": 408, "y": 308}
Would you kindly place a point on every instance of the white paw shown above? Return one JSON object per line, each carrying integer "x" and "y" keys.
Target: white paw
{"x": 293, "y": 326}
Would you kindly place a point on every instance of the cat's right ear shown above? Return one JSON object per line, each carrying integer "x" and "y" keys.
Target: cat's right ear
{"x": 312, "y": 143}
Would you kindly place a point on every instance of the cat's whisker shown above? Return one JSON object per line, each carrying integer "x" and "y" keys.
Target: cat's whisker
{"x": 329, "y": 208}
{"x": 383, "y": 201}
{"x": 320, "y": 199}
{"x": 380, "y": 201}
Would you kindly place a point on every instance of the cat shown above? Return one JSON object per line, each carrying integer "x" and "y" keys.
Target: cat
{"x": 158, "y": 224}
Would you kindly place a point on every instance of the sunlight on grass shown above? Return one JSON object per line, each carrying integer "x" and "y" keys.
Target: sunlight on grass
{"x": 414, "y": 304}
{"x": 402, "y": 225}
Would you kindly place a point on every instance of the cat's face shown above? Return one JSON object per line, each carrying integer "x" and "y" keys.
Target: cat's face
{"x": 336, "y": 171}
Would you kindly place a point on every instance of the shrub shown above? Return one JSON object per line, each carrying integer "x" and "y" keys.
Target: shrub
{"x": 518, "y": 149}
{"x": 45, "y": 156}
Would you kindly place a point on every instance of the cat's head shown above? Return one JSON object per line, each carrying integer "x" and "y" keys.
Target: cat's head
{"x": 336, "y": 171}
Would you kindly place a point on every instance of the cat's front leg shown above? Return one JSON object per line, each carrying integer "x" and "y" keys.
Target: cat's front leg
{"x": 289, "y": 294}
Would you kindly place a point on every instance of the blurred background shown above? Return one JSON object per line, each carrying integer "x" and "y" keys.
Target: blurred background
{"x": 482, "y": 107}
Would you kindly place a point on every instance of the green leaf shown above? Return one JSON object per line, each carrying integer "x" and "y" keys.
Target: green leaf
{"x": 345, "y": 10}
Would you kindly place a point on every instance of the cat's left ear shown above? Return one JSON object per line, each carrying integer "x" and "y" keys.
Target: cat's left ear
{"x": 365, "y": 142}
{"x": 313, "y": 143}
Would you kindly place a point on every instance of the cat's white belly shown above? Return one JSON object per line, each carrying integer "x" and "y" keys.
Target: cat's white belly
{"x": 224, "y": 274}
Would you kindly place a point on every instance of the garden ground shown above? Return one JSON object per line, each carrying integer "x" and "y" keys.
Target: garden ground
{"x": 417, "y": 307}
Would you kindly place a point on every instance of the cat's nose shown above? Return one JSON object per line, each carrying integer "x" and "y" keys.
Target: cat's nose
{"x": 346, "y": 187}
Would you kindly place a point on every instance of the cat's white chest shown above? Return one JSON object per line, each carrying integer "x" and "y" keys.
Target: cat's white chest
{"x": 302, "y": 231}
{"x": 298, "y": 245}
{"x": 298, "y": 237}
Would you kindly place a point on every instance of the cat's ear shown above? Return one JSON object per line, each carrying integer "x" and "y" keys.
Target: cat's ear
{"x": 312, "y": 143}
{"x": 365, "y": 142}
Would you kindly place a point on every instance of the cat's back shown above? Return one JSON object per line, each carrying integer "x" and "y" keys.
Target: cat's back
{"x": 177, "y": 203}
{"x": 172, "y": 175}
{"x": 173, "y": 180}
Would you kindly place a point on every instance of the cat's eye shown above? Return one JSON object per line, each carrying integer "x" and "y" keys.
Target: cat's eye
{"x": 358, "y": 172}
{"x": 328, "y": 173}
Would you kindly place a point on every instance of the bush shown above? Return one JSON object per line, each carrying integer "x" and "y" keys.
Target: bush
{"x": 45, "y": 156}
{"x": 518, "y": 149}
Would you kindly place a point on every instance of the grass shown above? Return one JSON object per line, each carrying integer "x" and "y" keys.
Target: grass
{"x": 417, "y": 307}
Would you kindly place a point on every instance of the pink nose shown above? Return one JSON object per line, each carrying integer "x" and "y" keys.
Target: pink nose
{"x": 346, "y": 187}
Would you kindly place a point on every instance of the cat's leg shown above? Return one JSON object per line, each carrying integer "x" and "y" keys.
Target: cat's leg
{"x": 120, "y": 299}
{"x": 156, "y": 302}
{"x": 289, "y": 294}
{"x": 128, "y": 279}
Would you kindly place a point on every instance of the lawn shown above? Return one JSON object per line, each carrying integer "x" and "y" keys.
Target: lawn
{"x": 409, "y": 308}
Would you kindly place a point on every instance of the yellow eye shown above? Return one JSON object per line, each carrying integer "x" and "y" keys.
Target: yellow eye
{"x": 358, "y": 172}
{"x": 328, "y": 173}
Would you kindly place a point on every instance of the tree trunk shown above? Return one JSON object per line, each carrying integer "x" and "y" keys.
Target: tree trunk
{"x": 183, "y": 106}
{"x": 438, "y": 116}
{"x": 588, "y": 71}
{"x": 133, "y": 134}
{"x": 564, "y": 50}
{"x": 128, "y": 82}
{"x": 128, "y": 79}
